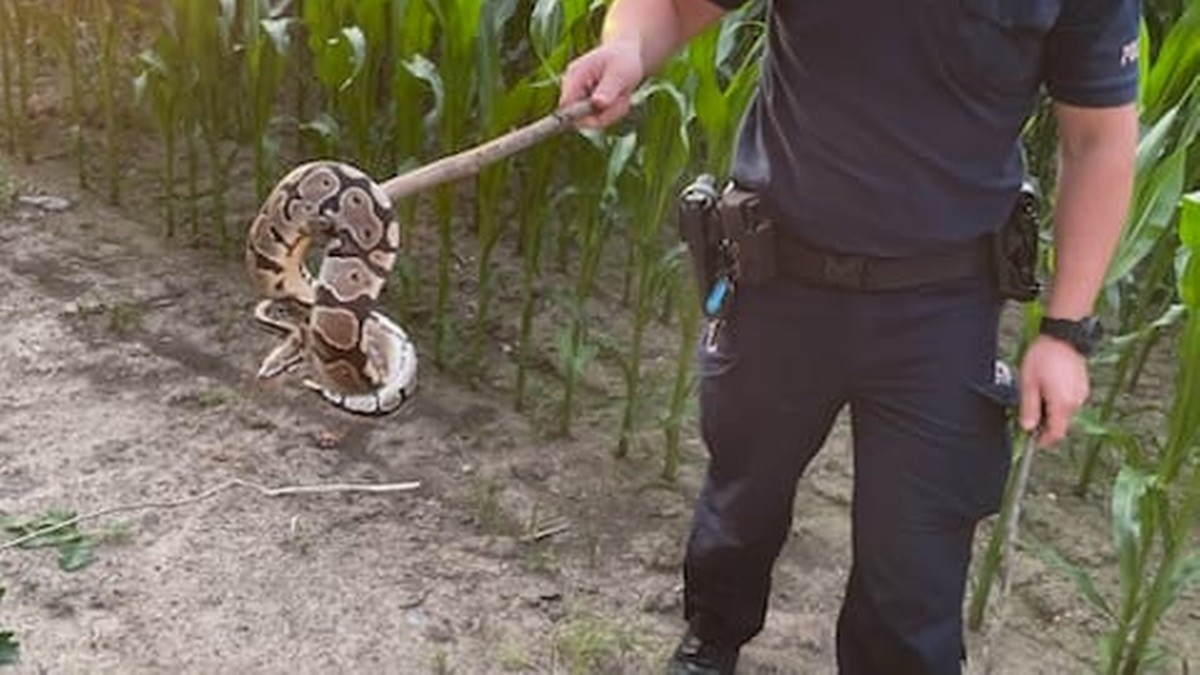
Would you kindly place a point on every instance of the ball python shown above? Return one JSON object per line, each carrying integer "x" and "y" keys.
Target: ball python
{"x": 364, "y": 362}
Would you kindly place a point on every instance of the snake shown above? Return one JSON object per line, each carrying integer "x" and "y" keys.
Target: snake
{"x": 364, "y": 362}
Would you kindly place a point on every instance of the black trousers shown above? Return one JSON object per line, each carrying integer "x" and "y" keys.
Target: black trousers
{"x": 931, "y": 453}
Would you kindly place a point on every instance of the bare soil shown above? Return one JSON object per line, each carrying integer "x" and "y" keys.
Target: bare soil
{"x": 127, "y": 376}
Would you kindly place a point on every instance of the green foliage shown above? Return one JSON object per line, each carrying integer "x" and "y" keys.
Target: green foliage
{"x": 593, "y": 644}
{"x": 76, "y": 549}
{"x": 1150, "y": 290}
{"x": 8, "y": 191}
{"x": 10, "y": 649}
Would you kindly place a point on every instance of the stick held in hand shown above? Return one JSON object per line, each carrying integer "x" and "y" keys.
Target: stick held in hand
{"x": 472, "y": 161}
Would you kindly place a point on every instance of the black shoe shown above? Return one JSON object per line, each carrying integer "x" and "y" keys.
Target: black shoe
{"x": 693, "y": 656}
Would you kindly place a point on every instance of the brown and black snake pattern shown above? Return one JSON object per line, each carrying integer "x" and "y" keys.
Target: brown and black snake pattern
{"x": 363, "y": 361}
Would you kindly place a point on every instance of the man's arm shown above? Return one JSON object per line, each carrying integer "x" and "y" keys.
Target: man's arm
{"x": 638, "y": 37}
{"x": 1097, "y": 150}
{"x": 1095, "y": 181}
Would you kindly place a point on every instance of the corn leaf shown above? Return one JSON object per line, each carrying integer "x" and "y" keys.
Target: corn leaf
{"x": 1082, "y": 580}
{"x": 427, "y": 71}
{"x": 1127, "y": 526}
{"x": 1177, "y": 65}
{"x": 1156, "y": 199}
{"x": 1185, "y": 572}
{"x": 1189, "y": 236}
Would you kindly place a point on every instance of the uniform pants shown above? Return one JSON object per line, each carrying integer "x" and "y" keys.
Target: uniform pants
{"x": 931, "y": 453}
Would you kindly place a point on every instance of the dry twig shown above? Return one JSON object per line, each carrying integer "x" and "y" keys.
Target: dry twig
{"x": 284, "y": 491}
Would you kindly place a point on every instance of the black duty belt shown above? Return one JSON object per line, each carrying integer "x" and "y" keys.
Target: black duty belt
{"x": 799, "y": 261}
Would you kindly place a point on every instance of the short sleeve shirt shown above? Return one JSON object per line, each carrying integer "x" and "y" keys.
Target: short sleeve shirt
{"x": 891, "y": 127}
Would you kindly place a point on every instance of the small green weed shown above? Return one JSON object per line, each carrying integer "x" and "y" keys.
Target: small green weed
{"x": 76, "y": 549}
{"x": 8, "y": 191}
{"x": 10, "y": 649}
{"x": 439, "y": 663}
{"x": 124, "y": 317}
{"x": 486, "y": 510}
{"x": 215, "y": 397}
{"x": 594, "y": 644}
{"x": 513, "y": 658}
{"x": 539, "y": 558}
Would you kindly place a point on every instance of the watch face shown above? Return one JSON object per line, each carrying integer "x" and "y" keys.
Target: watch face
{"x": 1091, "y": 333}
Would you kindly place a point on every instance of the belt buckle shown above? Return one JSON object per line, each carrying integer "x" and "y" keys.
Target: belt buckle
{"x": 845, "y": 272}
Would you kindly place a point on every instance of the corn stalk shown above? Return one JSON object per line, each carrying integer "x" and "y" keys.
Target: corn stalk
{"x": 269, "y": 46}
{"x": 499, "y": 109}
{"x": 64, "y": 22}
{"x": 9, "y": 53}
{"x": 661, "y": 160}
{"x": 553, "y": 26}
{"x": 592, "y": 224}
{"x": 1140, "y": 275}
{"x": 416, "y": 86}
{"x": 459, "y": 21}
{"x": 20, "y": 31}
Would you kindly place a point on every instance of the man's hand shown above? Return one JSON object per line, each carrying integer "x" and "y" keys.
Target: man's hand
{"x": 638, "y": 37}
{"x": 1054, "y": 385}
{"x": 607, "y": 76}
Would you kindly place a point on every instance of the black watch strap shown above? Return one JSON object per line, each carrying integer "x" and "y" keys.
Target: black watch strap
{"x": 1083, "y": 334}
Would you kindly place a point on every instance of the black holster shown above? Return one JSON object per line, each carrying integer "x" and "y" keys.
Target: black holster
{"x": 700, "y": 229}
{"x": 729, "y": 240}
{"x": 750, "y": 236}
{"x": 1016, "y": 248}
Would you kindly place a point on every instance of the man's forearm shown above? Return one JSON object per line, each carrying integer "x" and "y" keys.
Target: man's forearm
{"x": 657, "y": 27}
{"x": 1094, "y": 188}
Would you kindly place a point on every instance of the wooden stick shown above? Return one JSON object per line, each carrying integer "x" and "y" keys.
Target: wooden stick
{"x": 235, "y": 482}
{"x": 1007, "y": 563}
{"x": 472, "y": 161}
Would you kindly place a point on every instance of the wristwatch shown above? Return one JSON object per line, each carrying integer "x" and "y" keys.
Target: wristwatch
{"x": 1084, "y": 335}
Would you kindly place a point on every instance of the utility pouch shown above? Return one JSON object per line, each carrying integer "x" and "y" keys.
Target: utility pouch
{"x": 1016, "y": 249}
{"x": 700, "y": 229}
{"x": 751, "y": 237}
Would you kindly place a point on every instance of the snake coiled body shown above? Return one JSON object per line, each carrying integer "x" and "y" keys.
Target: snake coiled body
{"x": 364, "y": 362}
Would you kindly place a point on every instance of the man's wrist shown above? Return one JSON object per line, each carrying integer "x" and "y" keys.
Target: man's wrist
{"x": 1084, "y": 335}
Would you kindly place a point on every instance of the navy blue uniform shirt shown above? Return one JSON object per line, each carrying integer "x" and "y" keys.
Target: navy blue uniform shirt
{"x": 890, "y": 127}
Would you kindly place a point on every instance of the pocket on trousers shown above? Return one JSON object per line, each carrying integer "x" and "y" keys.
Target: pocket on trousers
{"x": 1003, "y": 398}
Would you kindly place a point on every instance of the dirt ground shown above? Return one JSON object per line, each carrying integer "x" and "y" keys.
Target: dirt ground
{"x": 127, "y": 376}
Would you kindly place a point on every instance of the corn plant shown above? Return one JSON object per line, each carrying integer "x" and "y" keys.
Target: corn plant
{"x": 161, "y": 84}
{"x": 191, "y": 78}
{"x": 458, "y": 21}
{"x": 350, "y": 45}
{"x": 1139, "y": 279}
{"x": 662, "y": 157}
{"x": 269, "y": 45}
{"x": 553, "y": 28}
{"x": 1139, "y": 287}
{"x": 592, "y": 224}
{"x": 408, "y": 143}
{"x": 64, "y": 24}
{"x": 499, "y": 108}
{"x": 17, "y": 26}
{"x": 112, "y": 90}
{"x": 417, "y": 93}
{"x": 8, "y": 41}
{"x": 1155, "y": 502}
